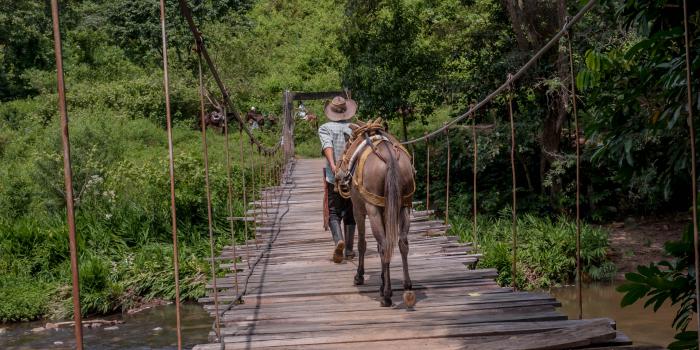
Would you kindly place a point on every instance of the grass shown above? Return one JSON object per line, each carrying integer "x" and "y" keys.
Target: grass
{"x": 546, "y": 249}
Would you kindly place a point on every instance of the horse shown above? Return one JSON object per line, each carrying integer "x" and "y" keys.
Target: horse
{"x": 381, "y": 188}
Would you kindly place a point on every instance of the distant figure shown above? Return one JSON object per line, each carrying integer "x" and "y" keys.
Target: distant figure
{"x": 254, "y": 118}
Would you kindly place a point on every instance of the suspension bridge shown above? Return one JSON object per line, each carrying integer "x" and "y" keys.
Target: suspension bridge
{"x": 279, "y": 289}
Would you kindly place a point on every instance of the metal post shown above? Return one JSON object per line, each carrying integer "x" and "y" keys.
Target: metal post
{"x": 205, "y": 155}
{"x": 67, "y": 176}
{"x": 447, "y": 179}
{"x": 171, "y": 163}
{"x": 693, "y": 170}
{"x": 474, "y": 171}
{"x": 579, "y": 292}
{"x": 512, "y": 168}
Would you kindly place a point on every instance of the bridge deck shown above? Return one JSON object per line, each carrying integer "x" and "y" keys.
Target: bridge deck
{"x": 298, "y": 299}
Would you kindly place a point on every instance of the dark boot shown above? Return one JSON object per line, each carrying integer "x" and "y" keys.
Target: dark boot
{"x": 349, "y": 239}
{"x": 334, "y": 225}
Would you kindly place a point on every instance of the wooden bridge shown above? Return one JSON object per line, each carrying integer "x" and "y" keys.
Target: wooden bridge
{"x": 297, "y": 298}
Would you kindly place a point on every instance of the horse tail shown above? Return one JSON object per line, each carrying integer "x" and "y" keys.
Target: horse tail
{"x": 392, "y": 204}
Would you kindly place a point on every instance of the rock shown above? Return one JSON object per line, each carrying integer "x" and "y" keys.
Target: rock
{"x": 618, "y": 224}
{"x": 38, "y": 329}
{"x": 95, "y": 325}
{"x": 58, "y": 342}
{"x": 50, "y": 325}
{"x": 111, "y": 328}
{"x": 158, "y": 329}
{"x": 3, "y": 330}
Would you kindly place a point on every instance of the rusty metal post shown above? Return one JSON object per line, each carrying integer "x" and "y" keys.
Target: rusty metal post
{"x": 229, "y": 199}
{"x": 67, "y": 176}
{"x": 693, "y": 169}
{"x": 171, "y": 163}
{"x": 579, "y": 292}
{"x": 427, "y": 175}
{"x": 474, "y": 171}
{"x": 244, "y": 164}
{"x": 205, "y": 156}
{"x": 447, "y": 179}
{"x": 514, "y": 224}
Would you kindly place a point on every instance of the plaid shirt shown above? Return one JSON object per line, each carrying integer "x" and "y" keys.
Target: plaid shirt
{"x": 334, "y": 135}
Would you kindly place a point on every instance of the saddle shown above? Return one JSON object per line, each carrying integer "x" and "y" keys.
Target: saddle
{"x": 365, "y": 140}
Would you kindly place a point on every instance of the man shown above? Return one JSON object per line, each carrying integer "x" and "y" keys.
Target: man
{"x": 334, "y": 134}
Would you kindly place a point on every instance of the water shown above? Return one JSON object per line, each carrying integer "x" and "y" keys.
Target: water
{"x": 137, "y": 332}
{"x": 643, "y": 326}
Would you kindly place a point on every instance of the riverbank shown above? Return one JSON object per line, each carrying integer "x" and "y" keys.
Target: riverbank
{"x": 640, "y": 241}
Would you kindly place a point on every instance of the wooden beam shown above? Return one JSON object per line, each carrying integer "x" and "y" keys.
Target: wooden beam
{"x": 318, "y": 95}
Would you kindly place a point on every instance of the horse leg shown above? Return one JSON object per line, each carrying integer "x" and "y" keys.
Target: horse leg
{"x": 361, "y": 245}
{"x": 409, "y": 297}
{"x": 377, "y": 223}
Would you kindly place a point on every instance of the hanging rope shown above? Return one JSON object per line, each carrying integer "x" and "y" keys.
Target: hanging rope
{"x": 229, "y": 200}
{"x": 693, "y": 170}
{"x": 255, "y": 180}
{"x": 447, "y": 179}
{"x": 512, "y": 168}
{"x": 244, "y": 164}
{"x": 205, "y": 156}
{"x": 474, "y": 171}
{"x": 173, "y": 214}
{"x": 67, "y": 177}
{"x": 579, "y": 293}
{"x": 427, "y": 175}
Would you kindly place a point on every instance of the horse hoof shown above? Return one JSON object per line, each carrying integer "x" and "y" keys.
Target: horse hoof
{"x": 409, "y": 298}
{"x": 359, "y": 280}
{"x": 386, "y": 302}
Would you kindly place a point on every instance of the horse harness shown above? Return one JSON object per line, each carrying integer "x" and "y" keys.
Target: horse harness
{"x": 365, "y": 140}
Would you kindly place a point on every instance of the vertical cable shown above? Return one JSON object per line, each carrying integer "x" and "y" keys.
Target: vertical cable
{"x": 447, "y": 179}
{"x": 427, "y": 175}
{"x": 256, "y": 212}
{"x": 244, "y": 165}
{"x": 579, "y": 292}
{"x": 512, "y": 168}
{"x": 693, "y": 170}
{"x": 67, "y": 176}
{"x": 171, "y": 163}
{"x": 474, "y": 171}
{"x": 229, "y": 199}
{"x": 205, "y": 156}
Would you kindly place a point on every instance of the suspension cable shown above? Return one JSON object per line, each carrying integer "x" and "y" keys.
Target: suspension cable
{"x": 511, "y": 78}
{"x": 244, "y": 166}
{"x": 447, "y": 179}
{"x": 67, "y": 177}
{"x": 693, "y": 169}
{"x": 229, "y": 200}
{"x": 427, "y": 175}
{"x": 256, "y": 181}
{"x": 514, "y": 225}
{"x": 474, "y": 172}
{"x": 205, "y": 156}
{"x": 579, "y": 293}
{"x": 171, "y": 163}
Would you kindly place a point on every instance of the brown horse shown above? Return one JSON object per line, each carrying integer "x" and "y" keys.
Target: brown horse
{"x": 382, "y": 188}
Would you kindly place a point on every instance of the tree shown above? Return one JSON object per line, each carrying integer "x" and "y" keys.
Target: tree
{"x": 391, "y": 68}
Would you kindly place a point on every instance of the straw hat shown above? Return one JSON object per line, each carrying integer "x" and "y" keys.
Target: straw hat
{"x": 340, "y": 109}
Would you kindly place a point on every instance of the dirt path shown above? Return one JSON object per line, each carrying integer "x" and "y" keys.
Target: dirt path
{"x": 641, "y": 241}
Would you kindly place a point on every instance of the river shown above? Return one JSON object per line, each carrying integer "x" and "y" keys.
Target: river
{"x": 139, "y": 331}
{"x": 643, "y": 326}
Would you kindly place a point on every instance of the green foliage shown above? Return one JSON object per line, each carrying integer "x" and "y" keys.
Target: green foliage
{"x": 670, "y": 281}
{"x": 546, "y": 249}
{"x": 23, "y": 299}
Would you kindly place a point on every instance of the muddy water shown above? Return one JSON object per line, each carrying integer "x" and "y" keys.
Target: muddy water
{"x": 139, "y": 331}
{"x": 643, "y": 326}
